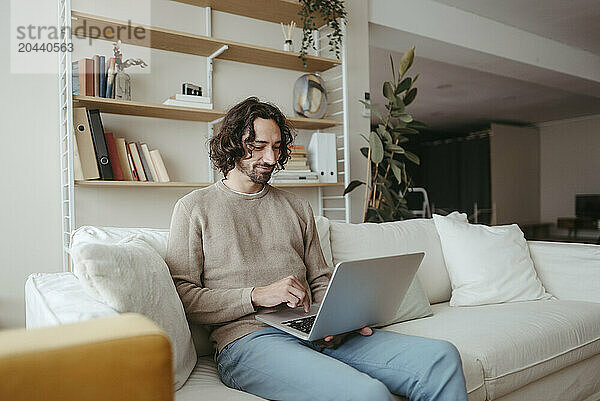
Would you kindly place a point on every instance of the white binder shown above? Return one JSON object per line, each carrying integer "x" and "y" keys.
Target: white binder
{"x": 322, "y": 156}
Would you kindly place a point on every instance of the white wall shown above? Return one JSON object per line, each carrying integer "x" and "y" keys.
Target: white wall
{"x": 31, "y": 236}
{"x": 30, "y": 201}
{"x": 570, "y": 164}
{"x": 515, "y": 173}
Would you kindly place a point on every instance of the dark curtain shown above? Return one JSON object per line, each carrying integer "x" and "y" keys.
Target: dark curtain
{"x": 456, "y": 174}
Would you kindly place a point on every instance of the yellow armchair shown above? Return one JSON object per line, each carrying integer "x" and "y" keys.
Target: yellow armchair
{"x": 125, "y": 357}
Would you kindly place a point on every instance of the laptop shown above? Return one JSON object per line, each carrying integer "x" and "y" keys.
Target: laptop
{"x": 360, "y": 293}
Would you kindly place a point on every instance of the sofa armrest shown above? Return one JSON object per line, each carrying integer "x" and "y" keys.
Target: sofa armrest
{"x": 568, "y": 271}
{"x": 124, "y": 357}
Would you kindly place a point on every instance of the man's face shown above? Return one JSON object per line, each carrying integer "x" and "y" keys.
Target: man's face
{"x": 265, "y": 151}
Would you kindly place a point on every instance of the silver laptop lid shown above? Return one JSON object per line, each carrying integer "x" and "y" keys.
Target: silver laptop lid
{"x": 365, "y": 292}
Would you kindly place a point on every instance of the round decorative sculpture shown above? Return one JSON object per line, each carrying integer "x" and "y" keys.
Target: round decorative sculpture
{"x": 310, "y": 96}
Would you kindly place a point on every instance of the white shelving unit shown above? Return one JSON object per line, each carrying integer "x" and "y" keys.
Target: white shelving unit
{"x": 331, "y": 202}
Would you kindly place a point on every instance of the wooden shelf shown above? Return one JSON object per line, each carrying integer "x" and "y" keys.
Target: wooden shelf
{"x": 267, "y": 10}
{"x": 182, "y": 42}
{"x": 139, "y": 184}
{"x": 134, "y": 108}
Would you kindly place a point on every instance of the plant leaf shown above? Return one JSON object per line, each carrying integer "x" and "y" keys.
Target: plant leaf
{"x": 388, "y": 91}
{"x": 406, "y": 130}
{"x": 410, "y": 96}
{"x": 365, "y": 152}
{"x": 395, "y": 148}
{"x": 412, "y": 157}
{"x": 383, "y": 133}
{"x": 393, "y": 69}
{"x": 405, "y": 117}
{"x": 407, "y": 60}
{"x": 404, "y": 85}
{"x": 372, "y": 108}
{"x": 352, "y": 186}
{"x": 376, "y": 147}
{"x": 418, "y": 125}
{"x": 397, "y": 172}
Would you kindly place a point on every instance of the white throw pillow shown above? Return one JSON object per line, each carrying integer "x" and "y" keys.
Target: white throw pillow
{"x": 487, "y": 265}
{"x": 130, "y": 276}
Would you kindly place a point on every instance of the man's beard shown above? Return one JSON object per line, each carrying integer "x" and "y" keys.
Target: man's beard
{"x": 255, "y": 175}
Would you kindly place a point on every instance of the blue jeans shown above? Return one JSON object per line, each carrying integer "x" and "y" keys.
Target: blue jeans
{"x": 277, "y": 366}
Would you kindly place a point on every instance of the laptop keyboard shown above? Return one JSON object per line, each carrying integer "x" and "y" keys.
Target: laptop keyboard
{"x": 303, "y": 324}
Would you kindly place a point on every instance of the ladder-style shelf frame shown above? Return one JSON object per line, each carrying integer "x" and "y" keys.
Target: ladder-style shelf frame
{"x": 207, "y": 46}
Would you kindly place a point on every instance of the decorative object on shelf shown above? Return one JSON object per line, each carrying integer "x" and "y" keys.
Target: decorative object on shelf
{"x": 191, "y": 89}
{"x": 287, "y": 36}
{"x": 310, "y": 96}
{"x": 199, "y": 102}
{"x": 384, "y": 192}
{"x": 122, "y": 81}
{"x": 328, "y": 10}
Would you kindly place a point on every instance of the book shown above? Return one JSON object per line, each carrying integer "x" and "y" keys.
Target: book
{"x": 191, "y": 98}
{"x": 146, "y": 153}
{"x": 160, "y": 165}
{"x": 96, "y": 75}
{"x": 137, "y": 161}
{"x": 75, "y": 78}
{"x": 102, "y": 157}
{"x": 181, "y": 103}
{"x": 144, "y": 162}
{"x": 77, "y": 170}
{"x": 110, "y": 78}
{"x": 123, "y": 160}
{"x": 85, "y": 73}
{"x": 102, "y": 76}
{"x": 85, "y": 144}
{"x": 134, "y": 176}
{"x": 113, "y": 156}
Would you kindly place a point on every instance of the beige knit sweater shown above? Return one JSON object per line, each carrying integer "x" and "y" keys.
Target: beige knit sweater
{"x": 223, "y": 243}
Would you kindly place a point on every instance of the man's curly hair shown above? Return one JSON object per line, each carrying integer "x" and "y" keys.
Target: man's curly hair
{"x": 226, "y": 148}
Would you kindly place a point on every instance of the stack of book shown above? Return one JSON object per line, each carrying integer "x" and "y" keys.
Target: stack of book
{"x": 199, "y": 102}
{"x": 297, "y": 169}
{"x": 101, "y": 155}
{"x": 94, "y": 76}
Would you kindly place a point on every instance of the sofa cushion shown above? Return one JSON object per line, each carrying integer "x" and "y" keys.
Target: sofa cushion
{"x": 156, "y": 238}
{"x": 59, "y": 298}
{"x": 130, "y": 276}
{"x": 487, "y": 265}
{"x": 322, "y": 224}
{"x": 204, "y": 384}
{"x": 359, "y": 241}
{"x": 515, "y": 343}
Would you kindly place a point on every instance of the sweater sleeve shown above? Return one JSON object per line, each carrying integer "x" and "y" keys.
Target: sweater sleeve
{"x": 317, "y": 271}
{"x": 186, "y": 261}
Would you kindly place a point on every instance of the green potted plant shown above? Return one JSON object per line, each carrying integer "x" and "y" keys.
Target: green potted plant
{"x": 387, "y": 179}
{"x": 328, "y": 12}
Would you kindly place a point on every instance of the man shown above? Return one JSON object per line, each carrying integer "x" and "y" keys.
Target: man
{"x": 240, "y": 245}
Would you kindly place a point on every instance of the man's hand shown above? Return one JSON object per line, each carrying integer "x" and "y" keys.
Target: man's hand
{"x": 288, "y": 290}
{"x": 335, "y": 341}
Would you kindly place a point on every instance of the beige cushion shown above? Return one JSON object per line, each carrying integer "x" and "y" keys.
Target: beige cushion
{"x": 130, "y": 276}
{"x": 204, "y": 384}
{"x": 322, "y": 224}
{"x": 358, "y": 241}
{"x": 514, "y": 343}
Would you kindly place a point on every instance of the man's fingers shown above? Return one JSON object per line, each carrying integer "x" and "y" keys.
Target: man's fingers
{"x": 298, "y": 295}
{"x": 328, "y": 338}
{"x": 366, "y": 331}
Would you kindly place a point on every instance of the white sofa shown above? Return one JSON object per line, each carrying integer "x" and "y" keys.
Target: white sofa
{"x": 536, "y": 350}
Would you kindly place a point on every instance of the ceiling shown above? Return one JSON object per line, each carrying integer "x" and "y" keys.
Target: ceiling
{"x": 573, "y": 22}
{"x": 455, "y": 98}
